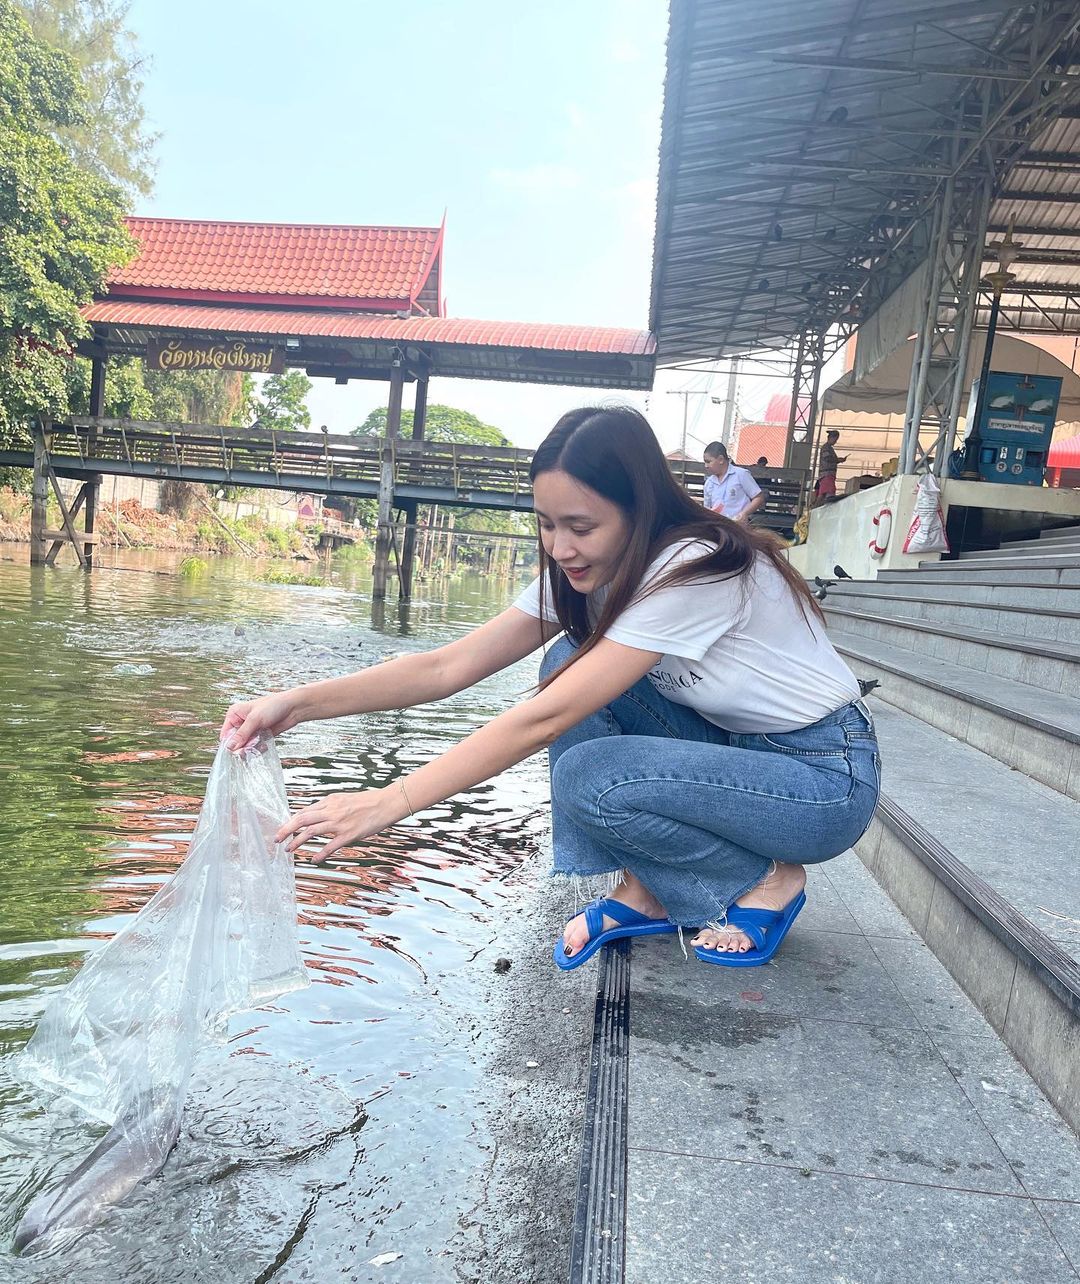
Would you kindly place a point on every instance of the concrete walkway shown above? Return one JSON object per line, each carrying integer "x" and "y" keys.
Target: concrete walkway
{"x": 842, "y": 1115}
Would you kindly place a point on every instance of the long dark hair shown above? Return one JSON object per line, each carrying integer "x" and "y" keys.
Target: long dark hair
{"x": 614, "y": 452}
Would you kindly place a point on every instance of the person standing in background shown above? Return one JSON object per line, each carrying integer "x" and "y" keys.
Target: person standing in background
{"x": 729, "y": 489}
{"x": 828, "y": 462}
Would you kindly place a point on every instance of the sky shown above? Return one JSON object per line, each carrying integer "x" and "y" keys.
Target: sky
{"x": 535, "y": 129}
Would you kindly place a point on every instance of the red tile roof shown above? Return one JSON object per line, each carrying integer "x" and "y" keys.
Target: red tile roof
{"x": 341, "y": 325}
{"x": 756, "y": 440}
{"x": 778, "y": 411}
{"x": 377, "y": 269}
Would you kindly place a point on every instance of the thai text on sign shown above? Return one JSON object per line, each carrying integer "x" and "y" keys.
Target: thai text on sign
{"x": 180, "y": 354}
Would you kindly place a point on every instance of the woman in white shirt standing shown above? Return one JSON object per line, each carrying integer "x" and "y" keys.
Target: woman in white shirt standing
{"x": 729, "y": 489}
{"x": 704, "y": 746}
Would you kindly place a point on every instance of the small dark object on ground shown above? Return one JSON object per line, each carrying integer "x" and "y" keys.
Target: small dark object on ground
{"x": 840, "y": 573}
{"x": 822, "y": 593}
{"x": 866, "y": 685}
{"x": 823, "y": 584}
{"x": 239, "y": 631}
{"x": 502, "y": 965}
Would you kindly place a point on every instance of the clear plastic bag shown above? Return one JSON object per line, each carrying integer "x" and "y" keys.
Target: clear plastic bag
{"x": 121, "y": 1040}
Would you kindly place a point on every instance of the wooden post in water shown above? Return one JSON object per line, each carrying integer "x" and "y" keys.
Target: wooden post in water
{"x": 39, "y": 496}
{"x": 451, "y": 522}
{"x": 384, "y": 534}
{"x": 408, "y": 542}
{"x": 93, "y": 484}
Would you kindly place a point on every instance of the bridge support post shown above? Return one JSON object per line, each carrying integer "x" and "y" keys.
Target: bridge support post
{"x": 411, "y": 507}
{"x": 90, "y": 492}
{"x": 408, "y": 548}
{"x": 384, "y": 533}
{"x": 39, "y": 496}
{"x": 93, "y": 484}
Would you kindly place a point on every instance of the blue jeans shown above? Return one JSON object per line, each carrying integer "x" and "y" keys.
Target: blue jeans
{"x": 698, "y": 813}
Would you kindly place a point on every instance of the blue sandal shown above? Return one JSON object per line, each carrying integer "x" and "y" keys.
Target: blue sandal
{"x": 631, "y": 923}
{"x": 766, "y": 928}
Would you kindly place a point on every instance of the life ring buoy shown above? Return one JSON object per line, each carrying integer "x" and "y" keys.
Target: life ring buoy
{"x": 882, "y": 530}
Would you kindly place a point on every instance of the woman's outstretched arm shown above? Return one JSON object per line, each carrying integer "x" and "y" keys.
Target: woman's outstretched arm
{"x": 595, "y": 680}
{"x": 396, "y": 684}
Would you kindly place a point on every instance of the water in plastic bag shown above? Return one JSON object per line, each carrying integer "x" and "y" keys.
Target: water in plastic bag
{"x": 121, "y": 1040}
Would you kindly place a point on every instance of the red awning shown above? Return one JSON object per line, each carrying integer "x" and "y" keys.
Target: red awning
{"x": 1064, "y": 454}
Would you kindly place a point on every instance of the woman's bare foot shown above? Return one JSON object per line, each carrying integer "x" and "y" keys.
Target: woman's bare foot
{"x": 630, "y": 891}
{"x": 775, "y": 892}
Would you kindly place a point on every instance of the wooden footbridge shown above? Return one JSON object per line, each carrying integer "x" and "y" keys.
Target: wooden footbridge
{"x": 400, "y": 473}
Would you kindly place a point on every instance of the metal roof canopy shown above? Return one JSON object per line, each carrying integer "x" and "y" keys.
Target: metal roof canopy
{"x": 806, "y": 145}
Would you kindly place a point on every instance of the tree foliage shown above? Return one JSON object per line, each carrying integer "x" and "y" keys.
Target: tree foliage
{"x": 281, "y": 402}
{"x": 111, "y": 138}
{"x": 182, "y": 396}
{"x": 449, "y": 424}
{"x": 61, "y": 226}
{"x": 441, "y": 423}
{"x": 200, "y": 396}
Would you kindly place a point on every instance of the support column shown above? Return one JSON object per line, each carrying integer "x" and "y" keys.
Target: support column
{"x": 805, "y": 385}
{"x": 939, "y": 363}
{"x": 91, "y": 487}
{"x": 39, "y": 496}
{"x": 384, "y": 534}
{"x": 408, "y": 542}
{"x": 910, "y": 448}
{"x": 97, "y": 409}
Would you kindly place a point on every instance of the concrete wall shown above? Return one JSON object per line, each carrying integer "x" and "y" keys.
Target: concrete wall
{"x": 841, "y": 533}
{"x": 1062, "y": 502}
{"x": 116, "y": 489}
{"x": 277, "y": 507}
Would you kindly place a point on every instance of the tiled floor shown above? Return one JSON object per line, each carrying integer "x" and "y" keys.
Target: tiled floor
{"x": 844, "y": 1115}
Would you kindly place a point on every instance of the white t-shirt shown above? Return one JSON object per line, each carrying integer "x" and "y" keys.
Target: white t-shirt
{"x": 734, "y": 490}
{"x": 739, "y": 651}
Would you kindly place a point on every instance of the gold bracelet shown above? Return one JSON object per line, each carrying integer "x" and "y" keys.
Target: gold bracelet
{"x": 401, "y": 786}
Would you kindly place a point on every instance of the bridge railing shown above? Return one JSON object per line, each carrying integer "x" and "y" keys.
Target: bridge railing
{"x": 316, "y": 461}
{"x": 320, "y": 457}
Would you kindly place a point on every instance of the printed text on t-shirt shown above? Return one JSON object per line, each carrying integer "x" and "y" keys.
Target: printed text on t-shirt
{"x": 664, "y": 679}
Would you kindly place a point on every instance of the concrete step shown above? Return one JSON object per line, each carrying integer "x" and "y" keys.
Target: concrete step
{"x": 1045, "y": 597}
{"x": 1017, "y": 835}
{"x": 1042, "y": 543}
{"x": 1019, "y": 621}
{"x": 1036, "y": 732}
{"x": 1023, "y": 548}
{"x": 1038, "y": 662}
{"x": 956, "y": 572}
{"x": 981, "y": 861}
{"x": 1003, "y": 559}
{"x": 1060, "y": 533}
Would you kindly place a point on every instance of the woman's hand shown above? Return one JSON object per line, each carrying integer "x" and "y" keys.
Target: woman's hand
{"x": 342, "y": 818}
{"x": 246, "y": 721}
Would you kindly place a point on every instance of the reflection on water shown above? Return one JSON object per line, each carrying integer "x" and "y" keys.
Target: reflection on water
{"x": 345, "y": 1121}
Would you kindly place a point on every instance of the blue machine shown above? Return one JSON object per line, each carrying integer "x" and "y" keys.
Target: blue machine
{"x": 1015, "y": 426}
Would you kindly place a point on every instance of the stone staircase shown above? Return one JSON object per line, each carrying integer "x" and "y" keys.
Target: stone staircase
{"x": 977, "y": 838}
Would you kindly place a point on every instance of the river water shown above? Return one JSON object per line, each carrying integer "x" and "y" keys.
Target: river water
{"x": 353, "y": 1119}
